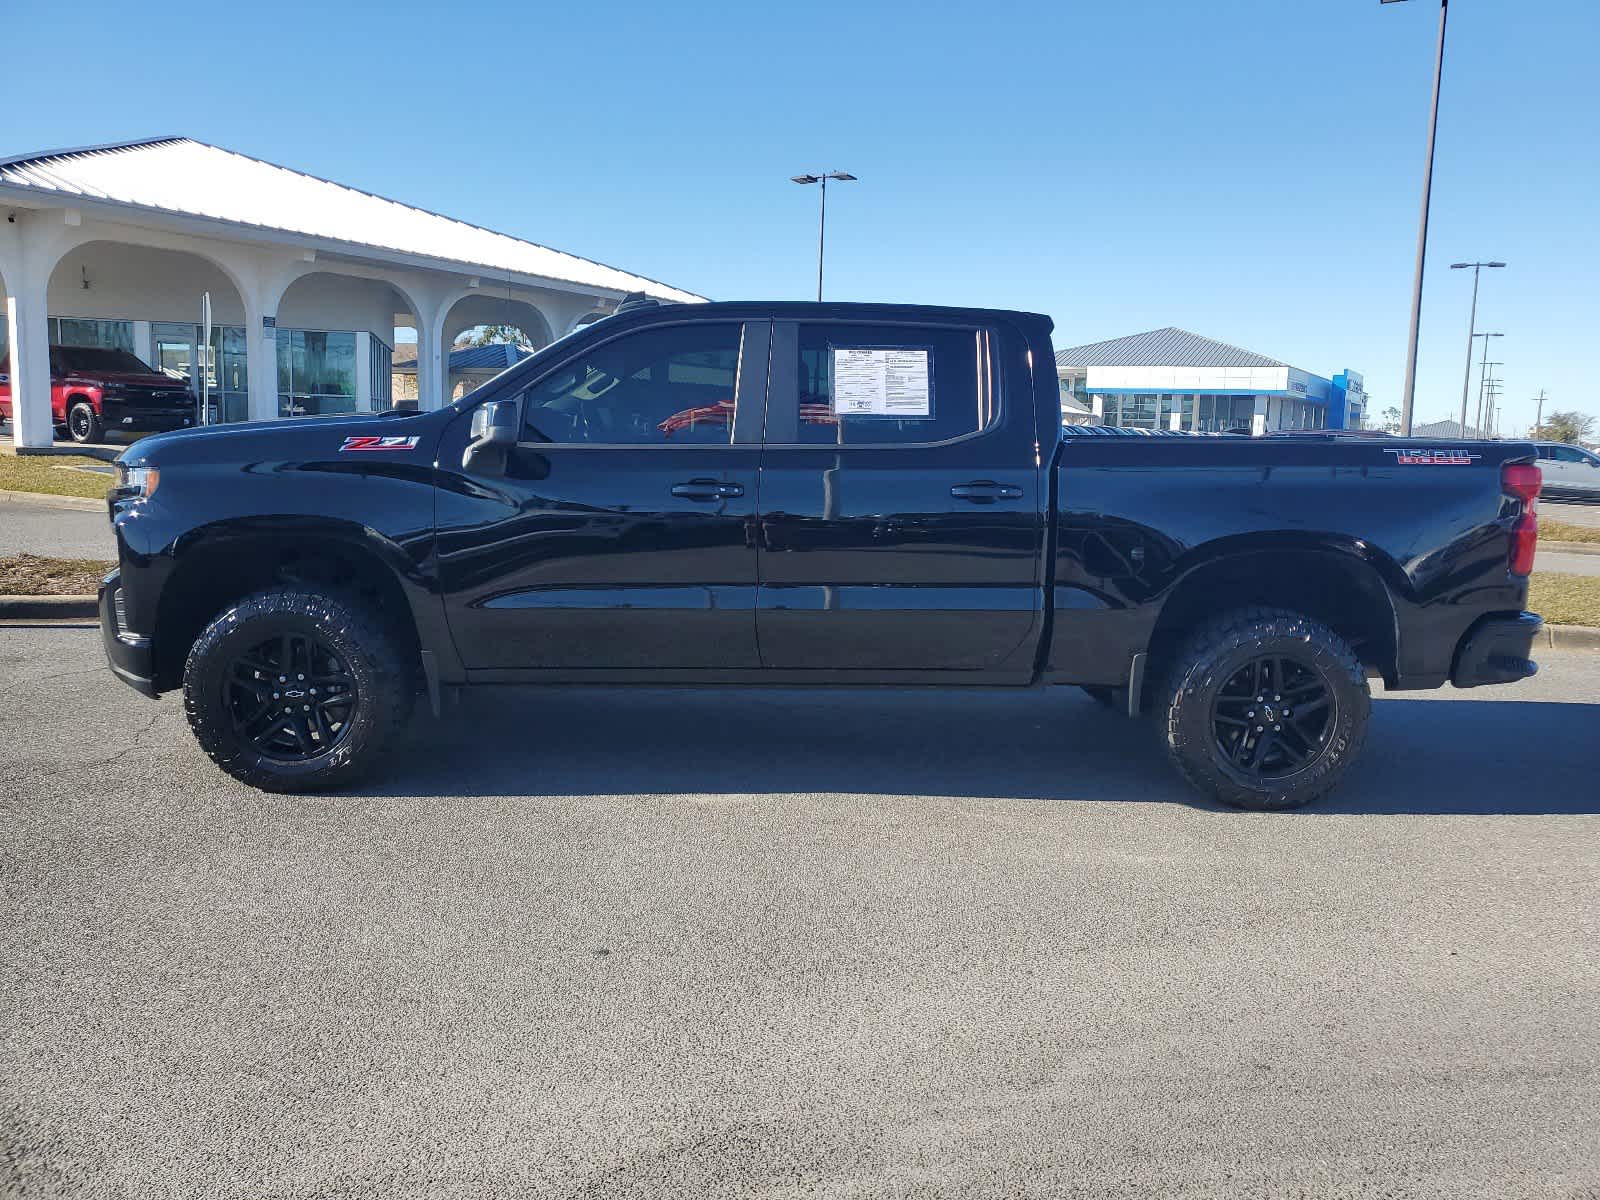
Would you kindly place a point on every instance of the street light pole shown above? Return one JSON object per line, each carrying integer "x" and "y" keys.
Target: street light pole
{"x": 1472, "y": 331}
{"x": 1408, "y": 401}
{"x": 822, "y": 215}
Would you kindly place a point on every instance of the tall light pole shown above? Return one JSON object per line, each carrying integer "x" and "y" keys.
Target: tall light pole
{"x": 1472, "y": 331}
{"x": 1408, "y": 401}
{"x": 822, "y": 218}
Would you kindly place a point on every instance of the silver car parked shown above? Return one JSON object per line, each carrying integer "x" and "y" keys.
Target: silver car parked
{"x": 1570, "y": 472}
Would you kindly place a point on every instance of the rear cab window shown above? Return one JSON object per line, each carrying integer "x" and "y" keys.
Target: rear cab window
{"x": 887, "y": 384}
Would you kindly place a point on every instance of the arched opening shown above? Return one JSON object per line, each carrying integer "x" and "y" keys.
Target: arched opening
{"x": 336, "y": 342}
{"x": 123, "y": 307}
{"x": 485, "y": 333}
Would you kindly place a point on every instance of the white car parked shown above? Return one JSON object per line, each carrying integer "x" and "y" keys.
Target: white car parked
{"x": 1570, "y": 472}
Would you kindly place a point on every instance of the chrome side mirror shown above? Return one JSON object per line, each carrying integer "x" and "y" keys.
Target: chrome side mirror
{"x": 494, "y": 431}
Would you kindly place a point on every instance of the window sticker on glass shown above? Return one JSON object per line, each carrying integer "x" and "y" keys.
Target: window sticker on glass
{"x": 890, "y": 382}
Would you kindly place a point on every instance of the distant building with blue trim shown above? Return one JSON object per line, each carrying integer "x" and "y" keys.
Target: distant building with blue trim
{"x": 1173, "y": 379}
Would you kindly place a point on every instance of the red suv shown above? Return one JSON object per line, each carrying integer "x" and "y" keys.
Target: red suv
{"x": 93, "y": 389}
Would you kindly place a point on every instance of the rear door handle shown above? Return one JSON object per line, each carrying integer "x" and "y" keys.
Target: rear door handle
{"x": 708, "y": 489}
{"x": 986, "y": 491}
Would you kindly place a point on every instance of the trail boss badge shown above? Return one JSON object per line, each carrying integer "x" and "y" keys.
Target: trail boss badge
{"x": 1433, "y": 458}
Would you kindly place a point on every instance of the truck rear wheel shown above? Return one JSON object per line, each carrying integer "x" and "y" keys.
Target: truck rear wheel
{"x": 291, "y": 690}
{"x": 1265, "y": 709}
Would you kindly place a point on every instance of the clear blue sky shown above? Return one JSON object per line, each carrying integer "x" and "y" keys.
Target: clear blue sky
{"x": 1248, "y": 169}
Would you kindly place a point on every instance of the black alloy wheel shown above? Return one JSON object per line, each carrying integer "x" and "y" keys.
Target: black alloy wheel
{"x": 1264, "y": 708}
{"x": 80, "y": 422}
{"x": 1272, "y": 716}
{"x": 295, "y": 690}
{"x": 290, "y": 697}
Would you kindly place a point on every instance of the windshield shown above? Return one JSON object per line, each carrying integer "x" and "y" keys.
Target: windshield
{"x": 98, "y": 358}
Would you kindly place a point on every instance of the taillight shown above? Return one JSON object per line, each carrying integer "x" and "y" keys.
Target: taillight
{"x": 1523, "y": 480}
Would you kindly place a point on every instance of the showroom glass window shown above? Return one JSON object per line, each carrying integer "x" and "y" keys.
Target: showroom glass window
{"x": 316, "y": 372}
{"x": 79, "y": 331}
{"x": 671, "y": 385}
{"x": 959, "y": 399}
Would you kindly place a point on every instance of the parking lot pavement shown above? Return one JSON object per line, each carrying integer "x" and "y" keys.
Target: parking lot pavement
{"x": 1571, "y": 513}
{"x": 1566, "y": 564}
{"x": 706, "y": 943}
{"x": 38, "y": 526}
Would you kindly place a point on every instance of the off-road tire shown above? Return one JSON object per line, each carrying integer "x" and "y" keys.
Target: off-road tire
{"x": 1204, "y": 664}
{"x": 373, "y": 655}
{"x": 89, "y": 427}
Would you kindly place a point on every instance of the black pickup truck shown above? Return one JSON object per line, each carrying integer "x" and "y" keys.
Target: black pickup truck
{"x": 833, "y": 494}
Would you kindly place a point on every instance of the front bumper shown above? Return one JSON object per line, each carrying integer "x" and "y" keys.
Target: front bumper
{"x": 1497, "y": 650}
{"x": 118, "y": 413}
{"x": 130, "y": 655}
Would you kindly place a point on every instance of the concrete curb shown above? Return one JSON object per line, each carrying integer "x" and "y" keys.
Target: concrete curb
{"x": 1571, "y": 637}
{"x": 1570, "y": 547}
{"x": 108, "y": 454}
{"x": 44, "y": 500}
{"x": 42, "y": 608}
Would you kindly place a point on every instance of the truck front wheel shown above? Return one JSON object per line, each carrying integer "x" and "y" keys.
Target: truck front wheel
{"x": 84, "y": 424}
{"x": 1265, "y": 709}
{"x": 292, "y": 691}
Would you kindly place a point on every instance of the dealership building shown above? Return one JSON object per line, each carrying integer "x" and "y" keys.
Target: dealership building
{"x": 308, "y": 280}
{"x": 1173, "y": 379}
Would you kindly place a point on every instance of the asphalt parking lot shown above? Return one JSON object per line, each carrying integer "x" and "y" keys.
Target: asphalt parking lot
{"x": 596, "y": 943}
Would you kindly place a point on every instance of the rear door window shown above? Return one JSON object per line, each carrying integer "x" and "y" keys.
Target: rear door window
{"x": 887, "y": 384}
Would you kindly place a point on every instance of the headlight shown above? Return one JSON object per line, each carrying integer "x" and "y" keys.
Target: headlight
{"x": 137, "y": 483}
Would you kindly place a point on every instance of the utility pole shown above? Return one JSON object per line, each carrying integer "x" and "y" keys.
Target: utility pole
{"x": 1482, "y": 376}
{"x": 1485, "y": 337}
{"x": 1538, "y": 420}
{"x": 1472, "y": 330}
{"x": 1491, "y": 402}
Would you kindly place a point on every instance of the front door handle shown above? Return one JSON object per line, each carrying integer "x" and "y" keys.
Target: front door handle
{"x": 707, "y": 489}
{"x": 986, "y": 491}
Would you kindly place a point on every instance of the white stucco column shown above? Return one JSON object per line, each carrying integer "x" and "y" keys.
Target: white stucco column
{"x": 29, "y": 339}
{"x": 433, "y": 364}
{"x": 261, "y": 359}
{"x": 363, "y": 371}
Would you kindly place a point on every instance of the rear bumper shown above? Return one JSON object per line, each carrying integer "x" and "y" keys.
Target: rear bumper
{"x": 129, "y": 654}
{"x": 1497, "y": 650}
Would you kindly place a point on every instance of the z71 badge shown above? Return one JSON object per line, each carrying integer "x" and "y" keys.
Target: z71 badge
{"x": 378, "y": 443}
{"x": 1433, "y": 458}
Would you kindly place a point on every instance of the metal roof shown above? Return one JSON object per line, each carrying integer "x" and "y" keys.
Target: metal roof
{"x": 1446, "y": 429}
{"x": 1169, "y": 347}
{"x": 182, "y": 176}
{"x": 496, "y": 356}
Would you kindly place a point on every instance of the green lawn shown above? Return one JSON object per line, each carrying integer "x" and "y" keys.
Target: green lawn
{"x": 31, "y": 575}
{"x": 54, "y": 476}
{"x": 1561, "y": 531}
{"x": 1565, "y": 599}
